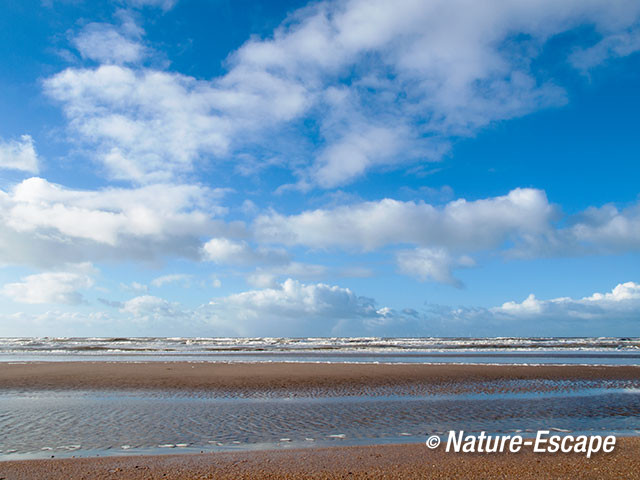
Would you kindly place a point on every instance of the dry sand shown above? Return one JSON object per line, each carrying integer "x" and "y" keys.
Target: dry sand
{"x": 346, "y": 378}
{"x": 375, "y": 462}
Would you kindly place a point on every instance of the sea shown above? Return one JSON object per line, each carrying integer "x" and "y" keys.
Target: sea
{"x": 49, "y": 423}
{"x": 502, "y": 350}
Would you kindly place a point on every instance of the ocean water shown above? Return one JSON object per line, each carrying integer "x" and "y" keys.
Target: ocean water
{"x": 39, "y": 424}
{"x": 579, "y": 350}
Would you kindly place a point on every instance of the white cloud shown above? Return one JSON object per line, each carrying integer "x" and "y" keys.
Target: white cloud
{"x": 106, "y": 44}
{"x": 147, "y": 125}
{"x": 431, "y": 264}
{"x": 458, "y": 225}
{"x": 271, "y": 263}
{"x": 611, "y": 46}
{"x": 296, "y": 309}
{"x": 19, "y": 155}
{"x": 520, "y": 224}
{"x": 49, "y": 287}
{"x": 600, "y": 314}
{"x": 264, "y": 277}
{"x": 355, "y": 153}
{"x": 147, "y": 307}
{"x": 597, "y": 230}
{"x": 232, "y": 252}
{"x": 622, "y": 302}
{"x": 151, "y": 315}
{"x": 151, "y": 126}
{"x": 107, "y": 215}
{"x": 171, "y": 278}
{"x": 261, "y": 279}
{"x": 292, "y": 308}
{"x": 438, "y": 68}
{"x": 384, "y": 84}
{"x": 606, "y": 229}
{"x": 43, "y": 223}
{"x": 163, "y": 4}
{"x": 57, "y": 323}
{"x": 134, "y": 287}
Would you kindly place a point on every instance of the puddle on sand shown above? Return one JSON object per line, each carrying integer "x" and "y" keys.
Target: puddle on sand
{"x": 63, "y": 423}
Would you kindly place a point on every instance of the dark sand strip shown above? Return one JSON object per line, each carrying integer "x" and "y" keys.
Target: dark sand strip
{"x": 375, "y": 462}
{"x": 284, "y": 376}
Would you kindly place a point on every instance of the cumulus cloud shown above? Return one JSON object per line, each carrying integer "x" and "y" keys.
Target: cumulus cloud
{"x": 600, "y": 314}
{"x": 458, "y": 225}
{"x": 270, "y": 263}
{"x": 234, "y": 252}
{"x": 520, "y": 224}
{"x": 19, "y": 155}
{"x": 108, "y": 215}
{"x": 152, "y": 126}
{"x": 147, "y": 125}
{"x": 147, "y": 307}
{"x": 105, "y": 43}
{"x": 623, "y": 302}
{"x": 434, "y": 69}
{"x": 293, "y": 308}
{"x": 602, "y": 230}
{"x": 172, "y": 278}
{"x": 383, "y": 84}
{"x": 151, "y": 315}
{"x": 605, "y": 230}
{"x": 297, "y": 309}
{"x": 268, "y": 276}
{"x": 432, "y": 264}
{"x": 354, "y": 153}
{"x": 49, "y": 287}
{"x": 40, "y": 218}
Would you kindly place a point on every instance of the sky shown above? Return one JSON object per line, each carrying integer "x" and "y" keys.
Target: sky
{"x": 333, "y": 168}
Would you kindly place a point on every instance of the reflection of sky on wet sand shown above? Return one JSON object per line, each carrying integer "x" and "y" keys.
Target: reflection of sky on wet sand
{"x": 66, "y": 423}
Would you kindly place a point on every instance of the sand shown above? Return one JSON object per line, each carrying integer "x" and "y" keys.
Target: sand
{"x": 343, "y": 378}
{"x": 374, "y": 462}
{"x": 390, "y": 461}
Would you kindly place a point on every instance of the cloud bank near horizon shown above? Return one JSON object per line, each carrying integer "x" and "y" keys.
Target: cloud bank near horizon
{"x": 294, "y": 309}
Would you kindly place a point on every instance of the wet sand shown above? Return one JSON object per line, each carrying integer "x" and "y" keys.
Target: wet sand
{"x": 374, "y": 462}
{"x": 346, "y": 379}
{"x": 381, "y": 461}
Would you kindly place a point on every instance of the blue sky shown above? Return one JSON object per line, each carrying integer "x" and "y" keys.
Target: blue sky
{"x": 219, "y": 168}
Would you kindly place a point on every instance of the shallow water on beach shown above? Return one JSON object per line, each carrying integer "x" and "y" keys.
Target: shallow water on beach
{"x": 64, "y": 423}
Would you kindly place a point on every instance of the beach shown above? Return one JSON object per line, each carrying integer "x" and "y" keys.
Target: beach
{"x": 370, "y": 462}
{"x": 348, "y": 409}
{"x": 345, "y": 378}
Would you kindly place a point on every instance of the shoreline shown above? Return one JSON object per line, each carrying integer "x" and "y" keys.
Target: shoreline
{"x": 346, "y": 378}
{"x": 372, "y": 462}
